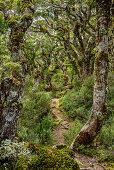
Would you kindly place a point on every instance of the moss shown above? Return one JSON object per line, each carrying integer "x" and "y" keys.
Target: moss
{"x": 19, "y": 105}
{"x": 16, "y": 81}
{"x": 27, "y": 4}
{"x": 12, "y": 21}
{"x": 46, "y": 158}
{"x": 101, "y": 55}
{"x": 12, "y": 66}
{"x": 106, "y": 158}
{"x": 2, "y": 6}
{"x": 12, "y": 69}
{"x": 64, "y": 148}
{"x": 17, "y": 36}
{"x": 108, "y": 166}
{"x": 39, "y": 157}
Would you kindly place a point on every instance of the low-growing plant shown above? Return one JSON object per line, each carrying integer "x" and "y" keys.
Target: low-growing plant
{"x": 89, "y": 150}
{"x": 106, "y": 135}
{"x": 72, "y": 132}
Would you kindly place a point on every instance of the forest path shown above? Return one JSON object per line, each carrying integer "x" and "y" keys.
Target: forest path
{"x": 62, "y": 124}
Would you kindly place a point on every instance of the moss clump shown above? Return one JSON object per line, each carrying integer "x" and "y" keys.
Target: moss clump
{"x": 38, "y": 157}
{"x": 46, "y": 158}
{"x": 64, "y": 148}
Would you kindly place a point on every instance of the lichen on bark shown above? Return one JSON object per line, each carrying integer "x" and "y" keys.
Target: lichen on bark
{"x": 13, "y": 81}
{"x": 99, "y": 107}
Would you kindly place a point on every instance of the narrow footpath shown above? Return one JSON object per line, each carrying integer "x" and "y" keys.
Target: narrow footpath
{"x": 62, "y": 124}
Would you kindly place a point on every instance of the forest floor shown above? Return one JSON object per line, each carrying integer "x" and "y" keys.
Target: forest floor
{"x": 62, "y": 124}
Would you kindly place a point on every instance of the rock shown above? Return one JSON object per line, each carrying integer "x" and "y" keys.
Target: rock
{"x": 65, "y": 124}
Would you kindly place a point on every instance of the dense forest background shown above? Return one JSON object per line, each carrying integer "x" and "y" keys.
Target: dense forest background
{"x": 48, "y": 50}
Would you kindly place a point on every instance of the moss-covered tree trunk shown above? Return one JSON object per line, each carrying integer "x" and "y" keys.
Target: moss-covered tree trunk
{"x": 99, "y": 108}
{"x": 13, "y": 78}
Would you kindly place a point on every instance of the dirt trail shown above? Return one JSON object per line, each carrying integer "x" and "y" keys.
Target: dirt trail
{"x": 61, "y": 121}
{"x": 87, "y": 163}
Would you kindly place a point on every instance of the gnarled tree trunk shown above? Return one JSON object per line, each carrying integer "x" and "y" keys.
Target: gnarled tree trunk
{"x": 13, "y": 83}
{"x": 99, "y": 108}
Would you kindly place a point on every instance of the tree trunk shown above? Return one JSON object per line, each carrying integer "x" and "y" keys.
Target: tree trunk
{"x": 99, "y": 108}
{"x": 13, "y": 80}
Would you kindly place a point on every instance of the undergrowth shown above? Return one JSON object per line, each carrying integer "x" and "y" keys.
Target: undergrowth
{"x": 36, "y": 122}
{"x": 77, "y": 104}
{"x": 39, "y": 157}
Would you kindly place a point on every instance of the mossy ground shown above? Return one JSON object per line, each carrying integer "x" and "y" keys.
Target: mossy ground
{"x": 42, "y": 158}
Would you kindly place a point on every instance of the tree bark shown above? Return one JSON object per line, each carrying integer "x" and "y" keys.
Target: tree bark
{"x": 13, "y": 83}
{"x": 99, "y": 107}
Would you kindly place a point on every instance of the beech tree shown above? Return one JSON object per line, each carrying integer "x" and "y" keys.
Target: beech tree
{"x": 71, "y": 24}
{"x": 99, "y": 108}
{"x": 14, "y": 72}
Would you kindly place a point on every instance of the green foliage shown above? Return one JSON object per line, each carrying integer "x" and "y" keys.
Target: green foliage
{"x": 77, "y": 83}
{"x": 106, "y": 136}
{"x": 34, "y": 156}
{"x": 72, "y": 132}
{"x": 106, "y": 158}
{"x": 4, "y": 59}
{"x": 3, "y": 23}
{"x": 11, "y": 67}
{"x": 88, "y": 150}
{"x": 78, "y": 101}
{"x": 58, "y": 83}
{"x": 38, "y": 103}
{"x": 35, "y": 123}
{"x": 40, "y": 132}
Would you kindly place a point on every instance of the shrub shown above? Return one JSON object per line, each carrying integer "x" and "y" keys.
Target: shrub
{"x": 41, "y": 132}
{"x": 35, "y": 123}
{"x": 78, "y": 102}
{"x": 72, "y": 132}
{"x": 106, "y": 136}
